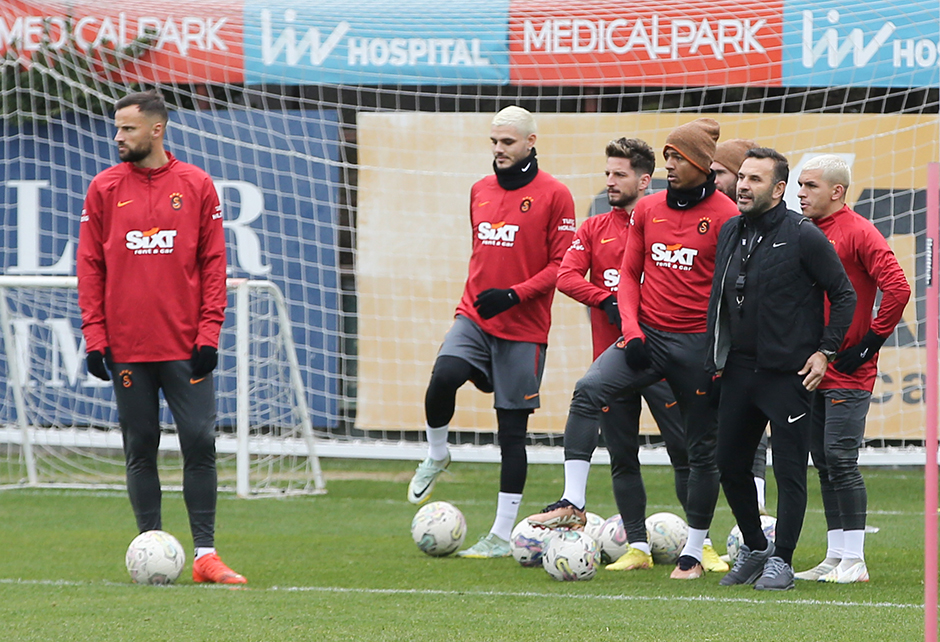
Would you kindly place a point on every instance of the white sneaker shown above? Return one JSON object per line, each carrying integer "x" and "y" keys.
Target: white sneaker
{"x": 819, "y": 570}
{"x": 426, "y": 474}
{"x": 848, "y": 571}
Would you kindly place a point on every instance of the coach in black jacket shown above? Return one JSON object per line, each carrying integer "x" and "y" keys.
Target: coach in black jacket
{"x": 770, "y": 344}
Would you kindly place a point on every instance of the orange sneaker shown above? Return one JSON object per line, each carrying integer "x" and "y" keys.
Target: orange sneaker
{"x": 209, "y": 568}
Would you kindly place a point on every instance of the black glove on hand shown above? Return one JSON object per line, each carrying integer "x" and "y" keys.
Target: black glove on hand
{"x": 714, "y": 391}
{"x": 204, "y": 361}
{"x": 491, "y": 302}
{"x": 95, "y": 362}
{"x": 638, "y": 355}
{"x": 609, "y": 305}
{"x": 851, "y": 359}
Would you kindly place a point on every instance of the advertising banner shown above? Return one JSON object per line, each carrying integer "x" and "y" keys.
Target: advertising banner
{"x": 196, "y": 41}
{"x": 645, "y": 43}
{"x": 375, "y": 42}
{"x": 277, "y": 178}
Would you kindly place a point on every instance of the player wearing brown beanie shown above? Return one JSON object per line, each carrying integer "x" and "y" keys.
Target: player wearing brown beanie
{"x": 729, "y": 155}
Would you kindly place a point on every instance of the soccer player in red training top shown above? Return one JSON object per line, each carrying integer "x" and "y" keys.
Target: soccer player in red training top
{"x": 522, "y": 221}
{"x": 151, "y": 287}
{"x": 598, "y": 248}
{"x": 671, "y": 245}
{"x": 844, "y": 396}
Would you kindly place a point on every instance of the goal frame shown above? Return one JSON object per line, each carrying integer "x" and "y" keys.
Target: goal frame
{"x": 243, "y": 445}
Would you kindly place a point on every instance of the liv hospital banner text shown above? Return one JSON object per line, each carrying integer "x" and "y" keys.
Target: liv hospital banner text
{"x": 790, "y": 43}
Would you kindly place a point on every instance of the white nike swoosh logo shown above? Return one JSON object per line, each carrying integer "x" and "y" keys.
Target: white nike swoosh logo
{"x": 780, "y": 244}
{"x": 526, "y": 168}
{"x": 864, "y": 352}
{"x": 790, "y": 420}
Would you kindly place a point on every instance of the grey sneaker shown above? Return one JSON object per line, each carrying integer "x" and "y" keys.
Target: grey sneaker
{"x": 426, "y": 474}
{"x": 778, "y": 576}
{"x": 489, "y": 546}
{"x": 748, "y": 567}
{"x": 813, "y": 574}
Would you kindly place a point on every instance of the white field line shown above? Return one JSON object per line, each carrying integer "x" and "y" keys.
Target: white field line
{"x": 494, "y": 594}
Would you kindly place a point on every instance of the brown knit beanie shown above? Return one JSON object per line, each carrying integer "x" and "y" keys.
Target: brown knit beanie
{"x": 730, "y": 153}
{"x": 696, "y": 142}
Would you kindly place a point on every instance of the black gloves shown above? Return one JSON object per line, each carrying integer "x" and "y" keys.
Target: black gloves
{"x": 491, "y": 302}
{"x": 203, "y": 361}
{"x": 638, "y": 355}
{"x": 96, "y": 360}
{"x": 609, "y": 305}
{"x": 851, "y": 359}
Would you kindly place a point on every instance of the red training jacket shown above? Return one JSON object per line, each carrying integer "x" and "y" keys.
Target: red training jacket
{"x": 597, "y": 248}
{"x": 674, "y": 252}
{"x": 519, "y": 239}
{"x": 871, "y": 266}
{"x": 151, "y": 262}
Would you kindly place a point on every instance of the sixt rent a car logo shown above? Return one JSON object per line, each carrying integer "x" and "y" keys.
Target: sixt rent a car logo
{"x": 152, "y": 241}
{"x": 673, "y": 256}
{"x": 612, "y": 278}
{"x": 497, "y": 233}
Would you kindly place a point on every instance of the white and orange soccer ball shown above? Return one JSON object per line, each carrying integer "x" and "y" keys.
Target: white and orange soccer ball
{"x": 155, "y": 557}
{"x": 613, "y": 539}
{"x": 668, "y": 534}
{"x": 571, "y": 556}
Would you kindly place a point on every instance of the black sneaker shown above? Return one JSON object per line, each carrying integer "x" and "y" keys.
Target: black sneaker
{"x": 748, "y": 567}
{"x": 777, "y": 576}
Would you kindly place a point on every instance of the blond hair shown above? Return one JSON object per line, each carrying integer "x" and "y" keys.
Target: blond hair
{"x": 835, "y": 171}
{"x": 516, "y": 117}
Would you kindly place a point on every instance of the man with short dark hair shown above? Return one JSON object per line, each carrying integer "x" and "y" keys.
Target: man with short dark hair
{"x": 598, "y": 249}
{"x": 154, "y": 224}
{"x": 770, "y": 343}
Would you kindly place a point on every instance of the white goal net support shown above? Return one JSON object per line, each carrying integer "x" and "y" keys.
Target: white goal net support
{"x": 344, "y": 137}
{"x": 59, "y": 427}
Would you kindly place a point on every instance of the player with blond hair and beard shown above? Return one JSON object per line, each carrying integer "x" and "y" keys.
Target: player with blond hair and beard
{"x": 522, "y": 220}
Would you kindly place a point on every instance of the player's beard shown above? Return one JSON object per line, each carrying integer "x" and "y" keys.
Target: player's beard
{"x": 621, "y": 199}
{"x": 134, "y": 155}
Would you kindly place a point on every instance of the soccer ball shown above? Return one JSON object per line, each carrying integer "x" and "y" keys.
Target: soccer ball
{"x": 594, "y": 524}
{"x": 668, "y": 534}
{"x": 438, "y": 528}
{"x": 767, "y": 523}
{"x": 154, "y": 557}
{"x": 571, "y": 556}
{"x": 613, "y": 539}
{"x": 527, "y": 543}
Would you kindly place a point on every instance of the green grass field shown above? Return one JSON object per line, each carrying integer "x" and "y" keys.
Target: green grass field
{"x": 343, "y": 567}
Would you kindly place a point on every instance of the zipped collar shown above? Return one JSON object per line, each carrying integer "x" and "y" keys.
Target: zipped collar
{"x": 147, "y": 172}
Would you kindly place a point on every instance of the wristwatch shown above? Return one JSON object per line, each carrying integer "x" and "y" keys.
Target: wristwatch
{"x": 829, "y": 354}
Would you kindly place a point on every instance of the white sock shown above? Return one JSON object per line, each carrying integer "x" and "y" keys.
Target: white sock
{"x": 641, "y": 546}
{"x": 437, "y": 442}
{"x": 761, "y": 485}
{"x": 202, "y": 550}
{"x": 507, "y": 509}
{"x": 576, "y": 476}
{"x": 836, "y": 543}
{"x": 854, "y": 547}
{"x": 693, "y": 546}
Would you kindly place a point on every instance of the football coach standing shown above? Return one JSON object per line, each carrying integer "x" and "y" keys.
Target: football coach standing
{"x": 771, "y": 344}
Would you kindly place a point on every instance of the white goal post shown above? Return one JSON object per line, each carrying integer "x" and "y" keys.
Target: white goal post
{"x": 60, "y": 426}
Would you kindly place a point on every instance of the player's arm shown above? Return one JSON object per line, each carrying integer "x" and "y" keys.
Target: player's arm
{"x": 211, "y": 260}
{"x": 822, "y": 263}
{"x": 92, "y": 271}
{"x": 631, "y": 271}
{"x": 559, "y": 235}
{"x": 574, "y": 268}
{"x": 880, "y": 262}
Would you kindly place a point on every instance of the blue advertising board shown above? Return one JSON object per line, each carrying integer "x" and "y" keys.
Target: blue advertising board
{"x": 277, "y": 176}
{"x": 875, "y": 43}
{"x": 374, "y": 42}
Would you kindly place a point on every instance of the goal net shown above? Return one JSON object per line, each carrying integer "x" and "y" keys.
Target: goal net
{"x": 344, "y": 137}
{"x": 59, "y": 426}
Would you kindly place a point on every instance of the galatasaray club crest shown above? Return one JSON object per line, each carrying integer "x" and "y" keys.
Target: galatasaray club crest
{"x": 704, "y": 224}
{"x": 526, "y": 204}
{"x": 176, "y": 200}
